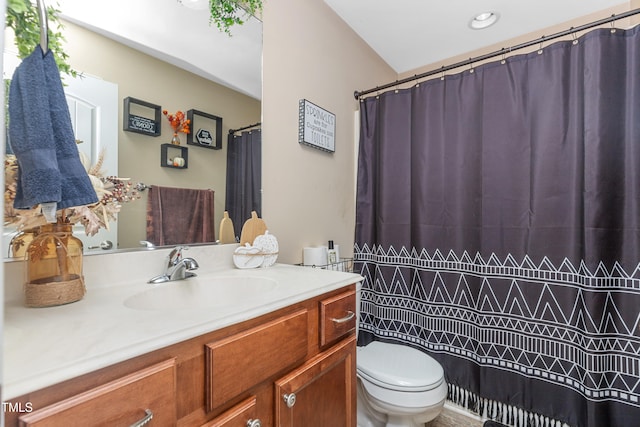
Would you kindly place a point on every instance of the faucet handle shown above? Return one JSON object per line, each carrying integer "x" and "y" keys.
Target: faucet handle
{"x": 176, "y": 254}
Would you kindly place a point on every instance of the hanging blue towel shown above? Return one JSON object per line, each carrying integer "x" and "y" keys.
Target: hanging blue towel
{"x": 41, "y": 137}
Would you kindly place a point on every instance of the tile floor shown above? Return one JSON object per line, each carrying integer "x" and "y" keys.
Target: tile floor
{"x": 452, "y": 418}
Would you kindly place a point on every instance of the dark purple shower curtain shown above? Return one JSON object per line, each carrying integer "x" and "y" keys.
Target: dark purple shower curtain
{"x": 498, "y": 229}
{"x": 244, "y": 177}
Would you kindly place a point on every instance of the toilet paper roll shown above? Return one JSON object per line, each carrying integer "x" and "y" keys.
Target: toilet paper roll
{"x": 314, "y": 256}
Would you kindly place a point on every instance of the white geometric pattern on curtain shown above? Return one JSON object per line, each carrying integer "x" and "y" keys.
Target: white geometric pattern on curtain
{"x": 498, "y": 229}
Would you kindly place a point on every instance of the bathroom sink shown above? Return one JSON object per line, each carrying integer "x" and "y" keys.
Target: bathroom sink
{"x": 201, "y": 292}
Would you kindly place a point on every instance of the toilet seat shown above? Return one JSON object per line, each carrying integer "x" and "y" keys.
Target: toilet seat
{"x": 398, "y": 367}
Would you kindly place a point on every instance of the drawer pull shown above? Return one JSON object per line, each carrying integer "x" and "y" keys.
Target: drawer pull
{"x": 148, "y": 417}
{"x": 289, "y": 399}
{"x": 350, "y": 315}
{"x": 254, "y": 423}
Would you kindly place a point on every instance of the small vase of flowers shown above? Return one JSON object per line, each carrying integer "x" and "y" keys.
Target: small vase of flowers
{"x": 179, "y": 123}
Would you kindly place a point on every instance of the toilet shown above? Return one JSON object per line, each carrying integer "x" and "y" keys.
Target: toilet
{"x": 398, "y": 386}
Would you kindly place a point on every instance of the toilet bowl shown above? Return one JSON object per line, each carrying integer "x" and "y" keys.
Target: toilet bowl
{"x": 398, "y": 386}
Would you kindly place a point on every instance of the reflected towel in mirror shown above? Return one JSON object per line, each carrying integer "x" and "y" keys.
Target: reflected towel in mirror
{"x": 180, "y": 216}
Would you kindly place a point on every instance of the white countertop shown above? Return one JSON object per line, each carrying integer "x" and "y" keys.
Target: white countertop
{"x": 44, "y": 346}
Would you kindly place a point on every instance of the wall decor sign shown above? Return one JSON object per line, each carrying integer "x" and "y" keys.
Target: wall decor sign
{"x": 147, "y": 124}
{"x": 206, "y": 130}
{"x": 316, "y": 127}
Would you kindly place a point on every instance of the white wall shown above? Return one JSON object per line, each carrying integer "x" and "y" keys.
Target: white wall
{"x": 309, "y": 53}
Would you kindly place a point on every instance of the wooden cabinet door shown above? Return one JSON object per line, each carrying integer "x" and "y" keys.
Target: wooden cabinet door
{"x": 322, "y": 392}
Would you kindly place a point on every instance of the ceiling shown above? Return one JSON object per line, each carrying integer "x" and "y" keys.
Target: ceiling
{"x": 407, "y": 34}
{"x": 179, "y": 35}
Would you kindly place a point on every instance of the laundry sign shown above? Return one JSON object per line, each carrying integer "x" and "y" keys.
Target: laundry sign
{"x": 316, "y": 127}
{"x": 136, "y": 117}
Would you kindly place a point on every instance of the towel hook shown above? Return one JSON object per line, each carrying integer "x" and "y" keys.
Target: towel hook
{"x": 44, "y": 26}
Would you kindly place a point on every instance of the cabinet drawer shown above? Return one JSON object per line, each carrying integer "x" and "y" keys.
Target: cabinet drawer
{"x": 241, "y": 415}
{"x": 241, "y": 361}
{"x": 337, "y": 317}
{"x": 119, "y": 402}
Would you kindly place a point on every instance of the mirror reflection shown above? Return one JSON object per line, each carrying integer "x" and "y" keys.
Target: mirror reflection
{"x": 169, "y": 56}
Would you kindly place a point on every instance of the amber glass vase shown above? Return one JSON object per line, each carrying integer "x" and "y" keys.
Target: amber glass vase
{"x": 20, "y": 242}
{"x": 54, "y": 267}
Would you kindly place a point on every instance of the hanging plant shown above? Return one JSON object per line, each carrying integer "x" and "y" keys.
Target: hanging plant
{"x": 22, "y": 18}
{"x": 227, "y": 13}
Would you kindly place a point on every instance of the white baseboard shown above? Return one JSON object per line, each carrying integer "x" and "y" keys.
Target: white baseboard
{"x": 462, "y": 411}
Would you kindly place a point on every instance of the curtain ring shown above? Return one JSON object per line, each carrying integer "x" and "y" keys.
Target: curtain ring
{"x": 574, "y": 36}
{"x": 613, "y": 29}
{"x": 504, "y": 57}
{"x": 442, "y": 73}
{"x": 471, "y": 70}
{"x": 540, "y": 48}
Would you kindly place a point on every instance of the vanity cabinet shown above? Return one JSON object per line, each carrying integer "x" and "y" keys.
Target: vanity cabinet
{"x": 322, "y": 391}
{"x": 237, "y": 376}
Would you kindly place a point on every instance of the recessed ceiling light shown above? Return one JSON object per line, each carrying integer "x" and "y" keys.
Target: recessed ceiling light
{"x": 483, "y": 20}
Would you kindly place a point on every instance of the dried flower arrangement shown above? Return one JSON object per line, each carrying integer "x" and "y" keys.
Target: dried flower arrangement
{"x": 178, "y": 121}
{"x": 112, "y": 191}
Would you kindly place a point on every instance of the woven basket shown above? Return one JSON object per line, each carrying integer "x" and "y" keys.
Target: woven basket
{"x": 54, "y": 293}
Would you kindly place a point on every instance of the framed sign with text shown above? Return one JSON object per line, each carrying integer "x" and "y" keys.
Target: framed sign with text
{"x": 206, "y": 130}
{"x": 141, "y": 117}
{"x": 316, "y": 127}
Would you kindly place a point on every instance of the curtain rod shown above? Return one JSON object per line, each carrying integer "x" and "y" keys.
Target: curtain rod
{"x": 232, "y": 131}
{"x": 470, "y": 61}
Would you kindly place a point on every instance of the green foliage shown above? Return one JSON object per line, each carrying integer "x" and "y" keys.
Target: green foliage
{"x": 226, "y": 13}
{"x": 22, "y": 18}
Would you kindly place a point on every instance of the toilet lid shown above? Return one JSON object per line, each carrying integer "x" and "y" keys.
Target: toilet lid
{"x": 398, "y": 367}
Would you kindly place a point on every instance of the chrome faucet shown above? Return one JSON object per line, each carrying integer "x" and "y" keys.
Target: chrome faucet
{"x": 177, "y": 268}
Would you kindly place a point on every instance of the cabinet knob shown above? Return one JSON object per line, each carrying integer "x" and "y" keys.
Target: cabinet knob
{"x": 289, "y": 399}
{"x": 254, "y": 423}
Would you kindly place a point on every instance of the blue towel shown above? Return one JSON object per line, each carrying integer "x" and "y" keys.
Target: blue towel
{"x": 41, "y": 137}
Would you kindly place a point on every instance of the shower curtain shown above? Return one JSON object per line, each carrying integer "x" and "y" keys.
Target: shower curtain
{"x": 244, "y": 177}
{"x": 498, "y": 230}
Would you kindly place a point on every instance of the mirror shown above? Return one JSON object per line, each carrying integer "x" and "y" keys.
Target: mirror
{"x": 168, "y": 55}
